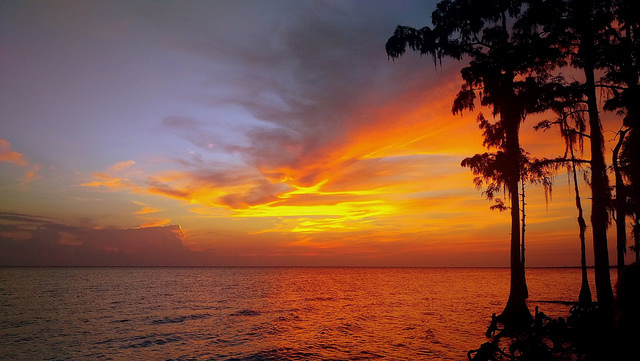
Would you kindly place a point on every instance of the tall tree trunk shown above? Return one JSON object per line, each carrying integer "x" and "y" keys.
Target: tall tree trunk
{"x": 516, "y": 313}
{"x": 585, "y": 290}
{"x": 600, "y": 191}
{"x": 523, "y": 227}
{"x": 599, "y": 180}
{"x": 636, "y": 237}
{"x": 620, "y": 206}
{"x": 631, "y": 95}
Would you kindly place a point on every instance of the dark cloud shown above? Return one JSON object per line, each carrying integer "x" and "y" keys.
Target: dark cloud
{"x": 23, "y": 218}
{"x": 54, "y": 244}
{"x": 214, "y": 176}
{"x": 305, "y": 69}
{"x": 274, "y": 148}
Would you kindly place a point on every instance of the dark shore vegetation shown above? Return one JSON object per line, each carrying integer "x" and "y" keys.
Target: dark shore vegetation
{"x": 516, "y": 56}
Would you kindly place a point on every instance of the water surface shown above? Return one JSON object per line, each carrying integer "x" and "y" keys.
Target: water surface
{"x": 259, "y": 313}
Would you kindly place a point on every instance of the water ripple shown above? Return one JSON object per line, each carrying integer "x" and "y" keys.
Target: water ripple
{"x": 258, "y": 313}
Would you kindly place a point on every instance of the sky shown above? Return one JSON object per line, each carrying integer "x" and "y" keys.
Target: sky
{"x": 247, "y": 133}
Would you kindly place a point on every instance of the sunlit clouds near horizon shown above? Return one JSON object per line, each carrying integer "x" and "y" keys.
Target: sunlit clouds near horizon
{"x": 270, "y": 132}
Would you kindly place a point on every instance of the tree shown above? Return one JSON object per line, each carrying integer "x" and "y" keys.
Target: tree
{"x": 501, "y": 74}
{"x": 622, "y": 73}
{"x": 636, "y": 234}
{"x": 524, "y": 215}
{"x": 622, "y": 79}
{"x": 581, "y": 30}
{"x": 620, "y": 204}
{"x": 568, "y": 106}
{"x": 588, "y": 23}
{"x": 584, "y": 298}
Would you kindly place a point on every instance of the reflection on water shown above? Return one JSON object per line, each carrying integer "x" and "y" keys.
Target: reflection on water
{"x": 258, "y": 313}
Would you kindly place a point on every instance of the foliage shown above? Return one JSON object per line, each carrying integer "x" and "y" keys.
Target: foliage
{"x": 515, "y": 52}
{"x": 581, "y": 335}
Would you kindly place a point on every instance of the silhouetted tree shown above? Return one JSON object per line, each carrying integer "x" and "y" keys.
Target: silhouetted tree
{"x": 501, "y": 74}
{"x": 622, "y": 71}
{"x": 620, "y": 204}
{"x": 489, "y": 171}
{"x": 534, "y": 171}
{"x": 568, "y": 107}
{"x": 581, "y": 30}
{"x": 636, "y": 234}
{"x": 622, "y": 78}
{"x": 584, "y": 297}
{"x": 588, "y": 20}
{"x": 524, "y": 225}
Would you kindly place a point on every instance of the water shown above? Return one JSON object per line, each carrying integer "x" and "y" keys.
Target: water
{"x": 259, "y": 313}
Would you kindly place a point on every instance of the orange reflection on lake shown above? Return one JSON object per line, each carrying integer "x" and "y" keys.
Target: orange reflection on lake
{"x": 259, "y": 313}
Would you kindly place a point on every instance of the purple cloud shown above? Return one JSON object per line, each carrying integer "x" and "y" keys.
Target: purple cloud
{"x": 57, "y": 244}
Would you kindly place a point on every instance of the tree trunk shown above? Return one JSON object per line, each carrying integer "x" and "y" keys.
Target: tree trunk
{"x": 620, "y": 206}
{"x": 523, "y": 227}
{"x": 585, "y": 290}
{"x": 516, "y": 313}
{"x": 636, "y": 237}
{"x": 632, "y": 120}
{"x": 600, "y": 192}
{"x": 522, "y": 252}
{"x": 599, "y": 180}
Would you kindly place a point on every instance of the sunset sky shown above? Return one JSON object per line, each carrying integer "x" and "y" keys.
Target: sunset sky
{"x": 247, "y": 133}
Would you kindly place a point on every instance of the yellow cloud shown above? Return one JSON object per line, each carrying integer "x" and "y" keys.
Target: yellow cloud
{"x": 393, "y": 176}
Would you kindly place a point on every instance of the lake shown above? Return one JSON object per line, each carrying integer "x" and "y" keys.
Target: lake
{"x": 210, "y": 313}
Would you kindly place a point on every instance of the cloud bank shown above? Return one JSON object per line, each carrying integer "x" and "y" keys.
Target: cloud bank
{"x": 29, "y": 240}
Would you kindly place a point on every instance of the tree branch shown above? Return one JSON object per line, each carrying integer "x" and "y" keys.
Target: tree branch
{"x": 614, "y": 87}
{"x": 564, "y": 160}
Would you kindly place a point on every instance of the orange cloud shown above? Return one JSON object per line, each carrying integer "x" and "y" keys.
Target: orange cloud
{"x": 148, "y": 210}
{"x": 7, "y": 155}
{"x": 391, "y": 178}
{"x": 10, "y": 156}
{"x": 120, "y": 166}
{"x": 114, "y": 178}
{"x": 32, "y": 174}
{"x": 110, "y": 182}
{"x": 393, "y": 159}
{"x": 155, "y": 223}
{"x": 17, "y": 236}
